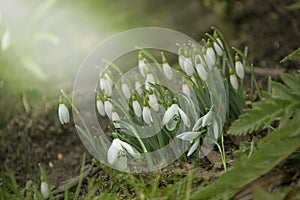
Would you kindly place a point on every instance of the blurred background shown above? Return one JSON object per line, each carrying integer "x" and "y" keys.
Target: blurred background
{"x": 43, "y": 43}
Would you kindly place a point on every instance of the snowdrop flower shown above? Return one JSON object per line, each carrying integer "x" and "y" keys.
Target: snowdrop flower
{"x": 218, "y": 45}
{"x": 201, "y": 70}
{"x": 63, "y": 112}
{"x": 116, "y": 154}
{"x": 215, "y": 129}
{"x": 210, "y": 52}
{"x": 100, "y": 106}
{"x": 126, "y": 91}
{"x": 181, "y": 59}
{"x": 136, "y": 107}
{"x": 149, "y": 79}
{"x": 108, "y": 107}
{"x": 6, "y": 40}
{"x": 166, "y": 67}
{"x": 234, "y": 81}
{"x": 138, "y": 87}
{"x": 203, "y": 121}
{"x": 147, "y": 115}
{"x": 153, "y": 101}
{"x": 208, "y": 57}
{"x": 239, "y": 68}
{"x": 188, "y": 65}
{"x": 105, "y": 84}
{"x": 44, "y": 190}
{"x": 172, "y": 114}
{"x": 141, "y": 64}
{"x": 190, "y": 136}
{"x": 115, "y": 117}
{"x": 185, "y": 89}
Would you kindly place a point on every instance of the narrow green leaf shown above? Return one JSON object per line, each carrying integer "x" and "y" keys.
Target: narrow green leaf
{"x": 292, "y": 81}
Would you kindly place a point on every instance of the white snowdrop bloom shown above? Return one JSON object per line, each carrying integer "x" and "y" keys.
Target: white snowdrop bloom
{"x": 175, "y": 111}
{"x": 153, "y": 102}
{"x": 149, "y": 79}
{"x": 239, "y": 68}
{"x": 211, "y": 53}
{"x": 141, "y": 65}
{"x": 201, "y": 71}
{"x": 108, "y": 108}
{"x": 138, "y": 87}
{"x": 166, "y": 67}
{"x": 188, "y": 66}
{"x": 186, "y": 89}
{"x": 44, "y": 190}
{"x": 63, "y": 112}
{"x": 215, "y": 129}
{"x": 108, "y": 79}
{"x": 115, "y": 153}
{"x": 115, "y": 117}
{"x": 234, "y": 81}
{"x": 105, "y": 85}
{"x": 193, "y": 148}
{"x": 147, "y": 115}
{"x": 218, "y": 46}
{"x": 181, "y": 59}
{"x": 209, "y": 61}
{"x": 100, "y": 106}
{"x": 6, "y": 40}
{"x": 126, "y": 91}
{"x": 189, "y": 136}
{"x": 136, "y": 108}
{"x": 167, "y": 70}
{"x": 203, "y": 121}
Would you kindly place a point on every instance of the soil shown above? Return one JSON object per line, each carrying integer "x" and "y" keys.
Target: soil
{"x": 269, "y": 30}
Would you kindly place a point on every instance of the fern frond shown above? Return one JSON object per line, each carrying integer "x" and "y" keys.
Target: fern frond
{"x": 260, "y": 116}
{"x": 276, "y": 147}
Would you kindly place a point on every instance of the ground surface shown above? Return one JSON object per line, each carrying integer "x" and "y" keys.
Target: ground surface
{"x": 270, "y": 31}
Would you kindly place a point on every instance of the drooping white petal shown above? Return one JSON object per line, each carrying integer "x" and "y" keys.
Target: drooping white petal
{"x": 188, "y": 136}
{"x": 137, "y": 108}
{"x": 131, "y": 150}
{"x": 234, "y": 81}
{"x": 207, "y": 119}
{"x": 108, "y": 79}
{"x": 215, "y": 129}
{"x": 167, "y": 70}
{"x": 63, "y": 114}
{"x": 106, "y": 86}
{"x": 209, "y": 61}
{"x": 149, "y": 79}
{"x": 126, "y": 91}
{"x": 239, "y": 68}
{"x": 188, "y": 66}
{"x": 169, "y": 114}
{"x": 184, "y": 117}
{"x": 153, "y": 102}
{"x": 218, "y": 47}
{"x": 100, "y": 108}
{"x": 138, "y": 87}
{"x": 113, "y": 151}
{"x": 201, "y": 71}
{"x": 181, "y": 61}
{"x": 211, "y": 53}
{"x": 142, "y": 67}
{"x": 186, "y": 90}
{"x": 108, "y": 108}
{"x": 6, "y": 40}
{"x": 44, "y": 190}
{"x": 121, "y": 163}
{"x": 147, "y": 115}
{"x": 193, "y": 148}
{"x": 115, "y": 117}
{"x": 198, "y": 124}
